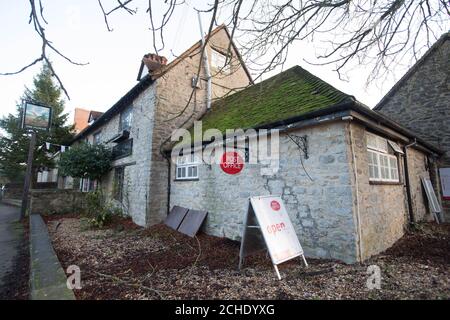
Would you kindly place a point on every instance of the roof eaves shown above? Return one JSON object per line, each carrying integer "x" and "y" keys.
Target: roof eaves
{"x": 117, "y": 107}
{"x": 384, "y": 120}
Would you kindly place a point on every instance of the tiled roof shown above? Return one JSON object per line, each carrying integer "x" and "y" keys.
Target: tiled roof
{"x": 289, "y": 94}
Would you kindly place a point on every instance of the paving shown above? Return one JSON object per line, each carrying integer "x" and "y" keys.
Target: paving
{"x": 47, "y": 277}
{"x": 12, "y": 243}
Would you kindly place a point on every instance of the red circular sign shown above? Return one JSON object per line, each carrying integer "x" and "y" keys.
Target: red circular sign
{"x": 275, "y": 205}
{"x": 231, "y": 162}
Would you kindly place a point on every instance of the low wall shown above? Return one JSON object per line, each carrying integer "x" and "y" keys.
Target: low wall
{"x": 57, "y": 201}
{"x": 15, "y": 190}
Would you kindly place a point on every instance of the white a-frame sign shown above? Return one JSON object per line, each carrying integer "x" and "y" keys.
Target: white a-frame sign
{"x": 267, "y": 222}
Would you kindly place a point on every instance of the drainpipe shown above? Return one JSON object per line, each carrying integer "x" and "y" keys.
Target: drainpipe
{"x": 407, "y": 181}
{"x": 355, "y": 169}
{"x": 206, "y": 64}
{"x": 169, "y": 164}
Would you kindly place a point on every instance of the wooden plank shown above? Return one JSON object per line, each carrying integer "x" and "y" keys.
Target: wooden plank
{"x": 175, "y": 217}
{"x": 192, "y": 222}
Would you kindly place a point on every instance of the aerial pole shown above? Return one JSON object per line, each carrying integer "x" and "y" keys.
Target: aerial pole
{"x": 206, "y": 64}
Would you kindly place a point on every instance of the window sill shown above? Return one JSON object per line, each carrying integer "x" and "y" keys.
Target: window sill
{"x": 181, "y": 180}
{"x": 392, "y": 183}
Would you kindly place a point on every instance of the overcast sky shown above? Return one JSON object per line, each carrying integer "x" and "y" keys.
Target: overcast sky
{"x": 77, "y": 28}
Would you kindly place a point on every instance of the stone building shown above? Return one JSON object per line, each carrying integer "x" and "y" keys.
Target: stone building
{"x": 167, "y": 96}
{"x": 420, "y": 101}
{"x": 341, "y": 168}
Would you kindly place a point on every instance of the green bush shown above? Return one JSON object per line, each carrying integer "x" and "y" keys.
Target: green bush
{"x": 99, "y": 211}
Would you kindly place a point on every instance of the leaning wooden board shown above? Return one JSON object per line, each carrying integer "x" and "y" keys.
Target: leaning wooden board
{"x": 192, "y": 222}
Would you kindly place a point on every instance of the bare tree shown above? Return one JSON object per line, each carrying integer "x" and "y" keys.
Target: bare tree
{"x": 379, "y": 33}
{"x": 38, "y": 20}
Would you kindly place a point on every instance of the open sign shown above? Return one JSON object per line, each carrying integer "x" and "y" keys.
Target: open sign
{"x": 267, "y": 215}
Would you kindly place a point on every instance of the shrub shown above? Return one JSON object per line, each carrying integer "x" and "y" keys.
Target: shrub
{"x": 85, "y": 161}
{"x": 100, "y": 212}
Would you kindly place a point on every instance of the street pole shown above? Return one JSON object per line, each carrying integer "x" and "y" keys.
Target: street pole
{"x": 28, "y": 175}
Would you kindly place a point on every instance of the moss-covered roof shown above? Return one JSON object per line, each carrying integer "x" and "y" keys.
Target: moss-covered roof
{"x": 291, "y": 93}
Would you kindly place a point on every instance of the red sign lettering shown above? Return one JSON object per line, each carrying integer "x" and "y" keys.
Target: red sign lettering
{"x": 231, "y": 162}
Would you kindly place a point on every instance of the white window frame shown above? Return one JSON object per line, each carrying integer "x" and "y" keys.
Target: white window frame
{"x": 187, "y": 167}
{"x": 219, "y": 61}
{"x": 386, "y": 164}
{"x": 86, "y": 183}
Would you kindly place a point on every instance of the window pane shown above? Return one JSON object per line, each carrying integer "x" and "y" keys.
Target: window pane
{"x": 118, "y": 183}
{"x": 382, "y": 144}
{"x": 373, "y": 164}
{"x": 126, "y": 119}
{"x": 194, "y": 172}
{"x": 371, "y": 141}
{"x": 394, "y": 168}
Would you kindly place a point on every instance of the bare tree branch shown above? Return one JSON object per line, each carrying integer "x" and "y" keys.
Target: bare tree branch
{"x": 36, "y": 20}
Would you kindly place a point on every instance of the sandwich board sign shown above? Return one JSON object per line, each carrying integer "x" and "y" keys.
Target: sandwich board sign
{"x": 267, "y": 225}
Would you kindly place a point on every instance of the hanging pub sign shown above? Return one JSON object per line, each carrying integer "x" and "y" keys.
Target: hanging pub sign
{"x": 267, "y": 225}
{"x": 36, "y": 116}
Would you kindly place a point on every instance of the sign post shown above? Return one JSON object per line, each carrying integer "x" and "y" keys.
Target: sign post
{"x": 267, "y": 216}
{"x": 34, "y": 117}
{"x": 28, "y": 175}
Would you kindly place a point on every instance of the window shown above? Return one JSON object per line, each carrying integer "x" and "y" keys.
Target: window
{"x": 97, "y": 137}
{"x": 123, "y": 149}
{"x": 119, "y": 174}
{"x": 383, "y": 166}
{"x": 218, "y": 61}
{"x": 126, "y": 118}
{"x": 87, "y": 185}
{"x": 187, "y": 167}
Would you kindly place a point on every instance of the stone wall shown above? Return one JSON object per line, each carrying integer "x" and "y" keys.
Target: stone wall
{"x": 137, "y": 165}
{"x": 57, "y": 201}
{"x": 146, "y": 171}
{"x": 418, "y": 168}
{"x": 173, "y": 91}
{"x": 321, "y": 210}
{"x": 383, "y": 207}
{"x": 422, "y": 104}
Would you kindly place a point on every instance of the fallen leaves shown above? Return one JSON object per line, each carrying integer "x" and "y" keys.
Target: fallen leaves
{"x": 159, "y": 263}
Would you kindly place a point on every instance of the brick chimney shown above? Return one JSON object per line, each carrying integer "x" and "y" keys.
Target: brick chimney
{"x": 154, "y": 62}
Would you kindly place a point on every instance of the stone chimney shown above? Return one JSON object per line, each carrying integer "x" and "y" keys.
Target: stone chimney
{"x": 154, "y": 62}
